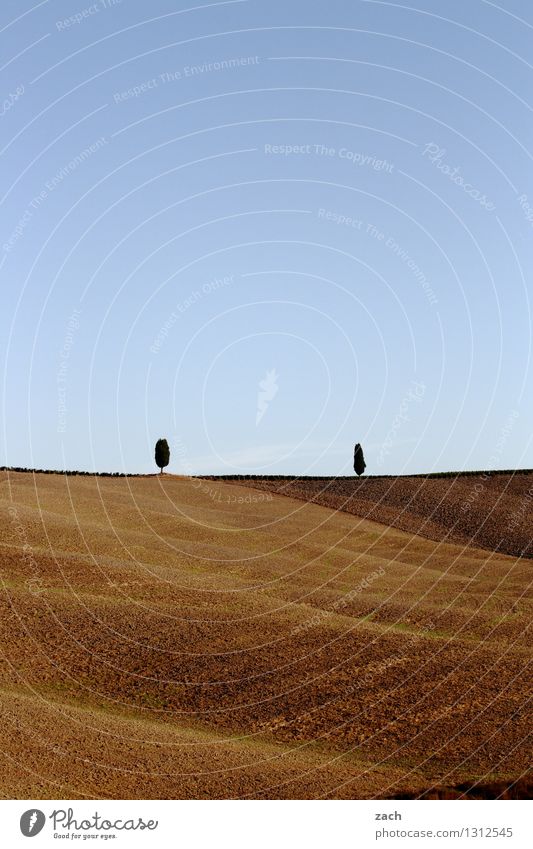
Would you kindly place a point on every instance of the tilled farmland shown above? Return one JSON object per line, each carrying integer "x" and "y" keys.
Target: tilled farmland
{"x": 488, "y": 510}
{"x": 177, "y": 638}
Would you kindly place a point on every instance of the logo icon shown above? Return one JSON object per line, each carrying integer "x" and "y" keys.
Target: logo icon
{"x": 32, "y": 822}
{"x": 268, "y": 389}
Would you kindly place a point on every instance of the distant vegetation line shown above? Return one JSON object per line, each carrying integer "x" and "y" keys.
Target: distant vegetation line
{"x": 368, "y": 477}
{"x": 69, "y": 472}
{"x": 236, "y": 477}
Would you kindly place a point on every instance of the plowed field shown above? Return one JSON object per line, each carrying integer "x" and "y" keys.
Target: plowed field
{"x": 493, "y": 511}
{"x": 171, "y": 638}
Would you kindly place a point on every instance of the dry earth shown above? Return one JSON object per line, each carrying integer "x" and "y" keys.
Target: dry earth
{"x": 171, "y": 638}
{"x": 487, "y": 510}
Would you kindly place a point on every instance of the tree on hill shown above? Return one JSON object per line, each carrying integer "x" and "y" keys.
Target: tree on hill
{"x": 359, "y": 464}
{"x": 162, "y": 454}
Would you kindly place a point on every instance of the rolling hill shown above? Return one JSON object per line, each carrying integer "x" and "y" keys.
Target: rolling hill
{"x": 181, "y": 638}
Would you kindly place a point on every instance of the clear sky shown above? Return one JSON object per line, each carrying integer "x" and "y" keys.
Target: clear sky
{"x": 266, "y": 230}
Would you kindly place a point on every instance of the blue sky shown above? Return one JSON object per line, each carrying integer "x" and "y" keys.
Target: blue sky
{"x": 266, "y": 231}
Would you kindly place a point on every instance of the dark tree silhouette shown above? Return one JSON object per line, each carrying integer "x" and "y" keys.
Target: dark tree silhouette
{"x": 162, "y": 454}
{"x": 359, "y": 464}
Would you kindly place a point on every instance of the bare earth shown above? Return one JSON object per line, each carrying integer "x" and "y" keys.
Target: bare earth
{"x": 171, "y": 638}
{"x": 493, "y": 511}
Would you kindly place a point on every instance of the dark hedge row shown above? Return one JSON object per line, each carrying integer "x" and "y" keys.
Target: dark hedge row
{"x": 67, "y": 472}
{"x": 274, "y": 477}
{"x": 373, "y": 477}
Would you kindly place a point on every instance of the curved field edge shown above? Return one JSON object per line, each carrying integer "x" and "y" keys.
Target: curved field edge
{"x": 491, "y": 510}
{"x": 162, "y": 639}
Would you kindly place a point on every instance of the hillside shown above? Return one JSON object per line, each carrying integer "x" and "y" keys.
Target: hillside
{"x": 177, "y": 638}
{"x": 492, "y": 510}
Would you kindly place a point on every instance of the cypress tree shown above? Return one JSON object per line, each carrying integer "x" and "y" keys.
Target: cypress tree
{"x": 162, "y": 454}
{"x": 359, "y": 464}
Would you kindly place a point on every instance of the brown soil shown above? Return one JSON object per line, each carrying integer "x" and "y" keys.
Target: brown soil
{"x": 166, "y": 638}
{"x": 493, "y": 511}
{"x": 521, "y": 789}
